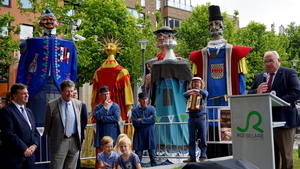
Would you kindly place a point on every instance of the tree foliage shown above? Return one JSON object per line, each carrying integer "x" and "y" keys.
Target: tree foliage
{"x": 8, "y": 44}
{"x": 292, "y": 33}
{"x": 111, "y": 18}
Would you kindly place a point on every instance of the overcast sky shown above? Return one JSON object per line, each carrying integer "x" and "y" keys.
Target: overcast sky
{"x": 280, "y": 12}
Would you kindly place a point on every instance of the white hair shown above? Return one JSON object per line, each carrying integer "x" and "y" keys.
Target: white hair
{"x": 272, "y": 53}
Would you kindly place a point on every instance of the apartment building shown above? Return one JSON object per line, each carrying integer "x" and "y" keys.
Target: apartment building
{"x": 171, "y": 11}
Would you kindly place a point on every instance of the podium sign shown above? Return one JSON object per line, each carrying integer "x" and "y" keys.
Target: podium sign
{"x": 252, "y": 128}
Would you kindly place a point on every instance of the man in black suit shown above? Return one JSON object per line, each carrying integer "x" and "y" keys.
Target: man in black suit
{"x": 284, "y": 81}
{"x": 20, "y": 137}
{"x": 83, "y": 116}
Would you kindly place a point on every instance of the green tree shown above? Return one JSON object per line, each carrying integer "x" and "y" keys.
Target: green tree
{"x": 193, "y": 33}
{"x": 8, "y": 44}
{"x": 111, "y": 18}
{"x": 292, "y": 32}
{"x": 256, "y": 36}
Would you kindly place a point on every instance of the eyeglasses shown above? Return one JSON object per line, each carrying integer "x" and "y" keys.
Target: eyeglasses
{"x": 269, "y": 62}
{"x": 104, "y": 94}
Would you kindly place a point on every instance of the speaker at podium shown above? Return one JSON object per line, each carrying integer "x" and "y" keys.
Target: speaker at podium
{"x": 225, "y": 164}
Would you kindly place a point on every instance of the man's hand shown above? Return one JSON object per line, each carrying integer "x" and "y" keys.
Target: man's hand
{"x": 32, "y": 148}
{"x": 263, "y": 87}
{"x": 193, "y": 91}
{"x": 27, "y": 153}
{"x": 148, "y": 81}
{"x": 105, "y": 104}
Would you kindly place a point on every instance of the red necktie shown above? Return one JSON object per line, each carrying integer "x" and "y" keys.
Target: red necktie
{"x": 270, "y": 82}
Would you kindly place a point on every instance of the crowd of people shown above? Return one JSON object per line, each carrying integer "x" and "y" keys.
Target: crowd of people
{"x": 65, "y": 117}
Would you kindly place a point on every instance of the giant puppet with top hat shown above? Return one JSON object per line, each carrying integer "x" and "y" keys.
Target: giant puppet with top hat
{"x": 45, "y": 62}
{"x": 222, "y": 66}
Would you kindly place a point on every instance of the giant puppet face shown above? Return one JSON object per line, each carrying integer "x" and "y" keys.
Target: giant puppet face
{"x": 111, "y": 49}
{"x": 216, "y": 27}
{"x": 48, "y": 22}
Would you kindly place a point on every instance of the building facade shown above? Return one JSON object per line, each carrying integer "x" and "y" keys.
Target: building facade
{"x": 171, "y": 11}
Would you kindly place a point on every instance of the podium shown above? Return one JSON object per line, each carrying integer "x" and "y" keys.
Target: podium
{"x": 252, "y": 127}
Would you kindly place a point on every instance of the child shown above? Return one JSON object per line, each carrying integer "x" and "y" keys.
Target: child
{"x": 107, "y": 157}
{"x": 127, "y": 160}
{"x": 117, "y": 147}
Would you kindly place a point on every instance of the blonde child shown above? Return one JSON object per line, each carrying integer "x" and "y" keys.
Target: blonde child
{"x": 117, "y": 147}
{"x": 128, "y": 159}
{"x": 107, "y": 157}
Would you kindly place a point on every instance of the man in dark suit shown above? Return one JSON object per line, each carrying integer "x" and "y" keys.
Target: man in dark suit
{"x": 284, "y": 81}
{"x": 83, "y": 116}
{"x": 20, "y": 137}
{"x": 63, "y": 127}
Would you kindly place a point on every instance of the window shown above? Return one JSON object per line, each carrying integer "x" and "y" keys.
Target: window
{"x": 157, "y": 4}
{"x": 26, "y": 4}
{"x": 5, "y": 3}
{"x": 172, "y": 22}
{"x": 143, "y": 3}
{"x": 136, "y": 14}
{"x": 26, "y": 32}
{"x": 180, "y": 4}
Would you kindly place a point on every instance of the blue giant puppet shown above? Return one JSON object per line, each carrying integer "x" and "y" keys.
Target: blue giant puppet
{"x": 45, "y": 62}
{"x": 169, "y": 80}
{"x": 223, "y": 67}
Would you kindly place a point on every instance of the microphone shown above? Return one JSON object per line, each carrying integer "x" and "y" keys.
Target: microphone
{"x": 265, "y": 76}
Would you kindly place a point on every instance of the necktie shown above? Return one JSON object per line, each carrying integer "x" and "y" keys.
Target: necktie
{"x": 270, "y": 82}
{"x": 25, "y": 116}
{"x": 68, "y": 121}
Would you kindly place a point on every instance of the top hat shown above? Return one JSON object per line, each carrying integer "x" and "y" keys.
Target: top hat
{"x": 214, "y": 13}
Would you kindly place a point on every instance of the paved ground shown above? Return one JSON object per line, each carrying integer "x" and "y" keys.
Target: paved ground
{"x": 178, "y": 163}
{"x": 297, "y": 141}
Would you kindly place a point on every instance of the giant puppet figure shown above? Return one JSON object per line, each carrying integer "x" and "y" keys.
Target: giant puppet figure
{"x": 114, "y": 76}
{"x": 170, "y": 77}
{"x": 164, "y": 30}
{"x": 45, "y": 62}
{"x": 222, "y": 66}
{"x": 117, "y": 79}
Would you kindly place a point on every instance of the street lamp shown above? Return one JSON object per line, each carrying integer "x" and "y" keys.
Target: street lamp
{"x": 143, "y": 47}
{"x": 295, "y": 63}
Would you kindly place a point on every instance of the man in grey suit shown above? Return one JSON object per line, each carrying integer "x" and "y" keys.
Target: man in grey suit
{"x": 63, "y": 127}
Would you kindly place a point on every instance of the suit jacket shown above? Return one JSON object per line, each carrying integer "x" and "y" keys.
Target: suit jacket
{"x": 286, "y": 85}
{"x": 16, "y": 134}
{"x": 83, "y": 116}
{"x": 54, "y": 125}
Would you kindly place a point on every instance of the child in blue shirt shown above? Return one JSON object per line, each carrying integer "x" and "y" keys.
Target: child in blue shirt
{"x": 128, "y": 159}
{"x": 107, "y": 157}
